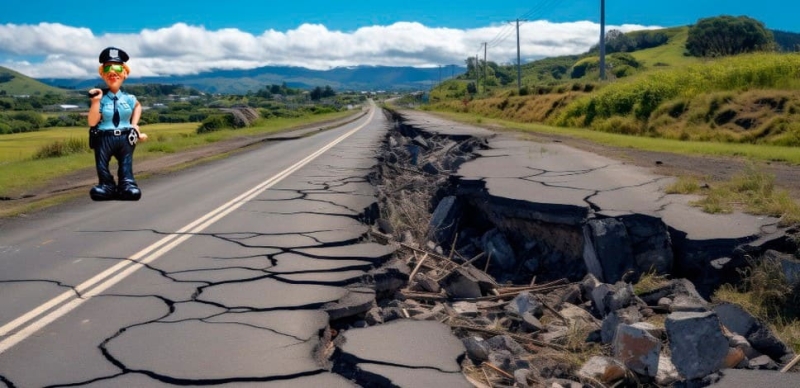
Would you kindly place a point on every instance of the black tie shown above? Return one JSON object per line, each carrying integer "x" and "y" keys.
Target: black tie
{"x": 115, "y": 120}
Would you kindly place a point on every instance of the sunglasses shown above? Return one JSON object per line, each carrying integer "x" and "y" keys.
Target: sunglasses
{"x": 114, "y": 68}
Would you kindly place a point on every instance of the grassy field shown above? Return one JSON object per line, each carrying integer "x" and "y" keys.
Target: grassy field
{"x": 19, "y": 172}
{"x": 669, "y": 54}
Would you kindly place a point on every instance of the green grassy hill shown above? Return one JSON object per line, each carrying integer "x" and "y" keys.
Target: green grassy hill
{"x": 669, "y": 54}
{"x": 13, "y": 83}
{"x": 654, "y": 92}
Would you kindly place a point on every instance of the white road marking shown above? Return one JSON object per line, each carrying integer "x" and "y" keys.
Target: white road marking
{"x": 121, "y": 270}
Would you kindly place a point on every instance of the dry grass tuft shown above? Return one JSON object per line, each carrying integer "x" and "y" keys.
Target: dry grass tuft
{"x": 765, "y": 293}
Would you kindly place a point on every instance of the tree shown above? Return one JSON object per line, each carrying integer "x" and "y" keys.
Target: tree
{"x": 728, "y": 35}
{"x": 316, "y": 94}
{"x": 328, "y": 92}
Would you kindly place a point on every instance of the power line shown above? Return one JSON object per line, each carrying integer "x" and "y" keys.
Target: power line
{"x": 535, "y": 12}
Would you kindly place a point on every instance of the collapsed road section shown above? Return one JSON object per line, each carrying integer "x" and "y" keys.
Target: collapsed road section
{"x": 528, "y": 252}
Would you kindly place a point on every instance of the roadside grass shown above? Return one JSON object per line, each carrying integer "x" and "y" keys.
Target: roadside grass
{"x": 21, "y": 172}
{"x": 757, "y": 152}
{"x": 751, "y": 191}
{"x": 765, "y": 293}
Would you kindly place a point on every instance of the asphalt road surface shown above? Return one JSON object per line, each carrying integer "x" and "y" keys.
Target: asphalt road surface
{"x": 192, "y": 284}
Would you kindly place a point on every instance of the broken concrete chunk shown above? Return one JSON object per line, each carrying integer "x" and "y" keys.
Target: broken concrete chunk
{"x": 672, "y": 289}
{"x": 466, "y": 309}
{"x": 443, "y": 220}
{"x": 612, "y": 247}
{"x": 650, "y": 242}
{"x": 530, "y": 323}
{"x": 763, "y": 363}
{"x": 427, "y": 283}
{"x": 504, "y": 342}
{"x": 696, "y": 342}
{"x": 637, "y": 348}
{"x": 390, "y": 277}
{"x": 588, "y": 284}
{"x": 687, "y": 303}
{"x": 757, "y": 333}
{"x": 356, "y": 301}
{"x": 629, "y": 315}
{"x": 477, "y": 349}
{"x": 578, "y": 317}
{"x": 460, "y": 284}
{"x": 498, "y": 249}
{"x": 525, "y": 302}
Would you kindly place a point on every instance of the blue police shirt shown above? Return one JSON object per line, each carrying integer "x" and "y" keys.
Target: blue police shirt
{"x": 125, "y": 104}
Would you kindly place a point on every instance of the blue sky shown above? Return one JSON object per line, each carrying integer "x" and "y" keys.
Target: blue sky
{"x": 60, "y": 39}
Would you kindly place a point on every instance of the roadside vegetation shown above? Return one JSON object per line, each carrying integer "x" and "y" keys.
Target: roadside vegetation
{"x": 766, "y": 293}
{"x": 30, "y": 162}
{"x": 751, "y": 191}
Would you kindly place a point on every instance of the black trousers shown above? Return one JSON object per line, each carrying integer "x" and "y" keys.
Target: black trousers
{"x": 106, "y": 146}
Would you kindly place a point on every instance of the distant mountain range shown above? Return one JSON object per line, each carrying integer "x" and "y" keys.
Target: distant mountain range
{"x": 360, "y": 78}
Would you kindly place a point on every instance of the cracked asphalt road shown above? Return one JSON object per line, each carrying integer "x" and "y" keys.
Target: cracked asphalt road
{"x": 216, "y": 276}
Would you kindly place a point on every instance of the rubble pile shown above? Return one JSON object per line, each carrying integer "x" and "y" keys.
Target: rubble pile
{"x": 524, "y": 305}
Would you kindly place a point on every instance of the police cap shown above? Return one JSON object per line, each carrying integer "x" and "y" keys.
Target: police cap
{"x": 113, "y": 54}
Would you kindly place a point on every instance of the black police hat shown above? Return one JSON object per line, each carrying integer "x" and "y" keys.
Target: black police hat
{"x": 113, "y": 54}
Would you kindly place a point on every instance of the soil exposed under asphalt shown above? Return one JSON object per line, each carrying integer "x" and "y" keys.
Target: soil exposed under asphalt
{"x": 663, "y": 163}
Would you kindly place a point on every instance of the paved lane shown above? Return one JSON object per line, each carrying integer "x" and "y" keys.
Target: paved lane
{"x": 230, "y": 296}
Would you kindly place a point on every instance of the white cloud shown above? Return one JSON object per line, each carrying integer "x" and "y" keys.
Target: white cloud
{"x": 181, "y": 49}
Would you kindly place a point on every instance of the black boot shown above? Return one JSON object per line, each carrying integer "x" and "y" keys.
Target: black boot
{"x": 106, "y": 190}
{"x": 127, "y": 190}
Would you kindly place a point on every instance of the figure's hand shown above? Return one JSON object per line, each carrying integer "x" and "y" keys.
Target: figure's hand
{"x": 142, "y": 136}
{"x": 95, "y": 94}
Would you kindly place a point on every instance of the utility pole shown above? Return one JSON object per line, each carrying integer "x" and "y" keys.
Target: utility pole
{"x": 602, "y": 39}
{"x": 440, "y": 73}
{"x": 477, "y": 74}
{"x": 519, "y": 64}
{"x": 485, "y": 46}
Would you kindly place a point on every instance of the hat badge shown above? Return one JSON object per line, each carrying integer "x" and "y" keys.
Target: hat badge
{"x": 114, "y": 53}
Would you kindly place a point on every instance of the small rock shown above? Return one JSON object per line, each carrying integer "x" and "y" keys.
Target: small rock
{"x": 530, "y": 323}
{"x": 504, "y": 342}
{"x": 477, "y": 349}
{"x": 604, "y": 369}
{"x": 525, "y": 302}
{"x": 466, "y": 309}
{"x": 762, "y": 362}
{"x": 521, "y": 377}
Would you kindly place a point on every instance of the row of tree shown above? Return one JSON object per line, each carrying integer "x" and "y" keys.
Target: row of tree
{"x": 19, "y": 115}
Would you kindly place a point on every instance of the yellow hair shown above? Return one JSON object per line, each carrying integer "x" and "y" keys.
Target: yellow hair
{"x": 125, "y": 65}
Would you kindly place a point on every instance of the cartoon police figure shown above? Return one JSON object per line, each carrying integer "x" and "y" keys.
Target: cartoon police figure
{"x": 114, "y": 130}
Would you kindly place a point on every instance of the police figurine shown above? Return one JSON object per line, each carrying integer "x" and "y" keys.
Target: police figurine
{"x": 113, "y": 118}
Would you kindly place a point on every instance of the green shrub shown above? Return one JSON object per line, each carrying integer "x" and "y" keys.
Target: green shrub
{"x": 216, "y": 123}
{"x": 623, "y": 125}
{"x": 62, "y": 148}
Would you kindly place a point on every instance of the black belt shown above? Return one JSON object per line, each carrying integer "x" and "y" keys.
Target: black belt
{"x": 115, "y": 132}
